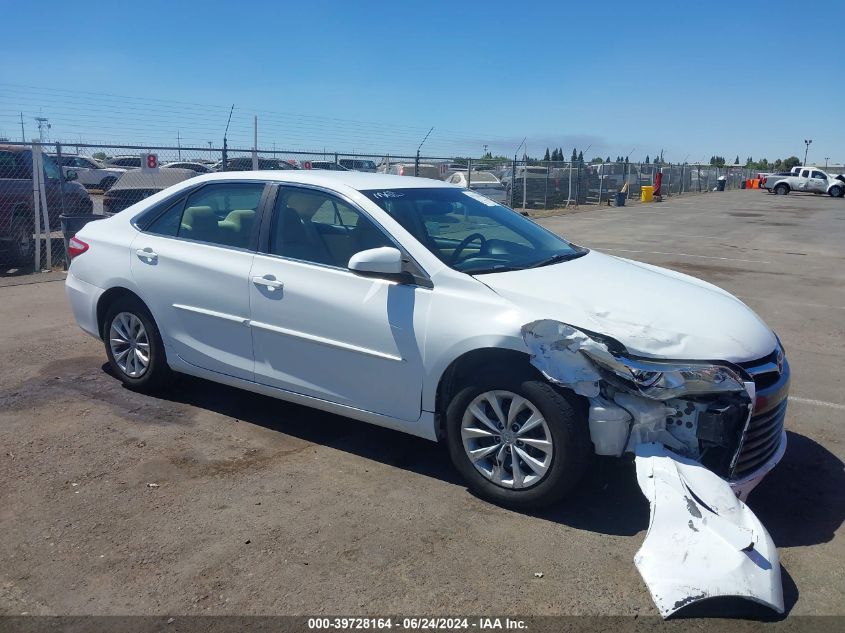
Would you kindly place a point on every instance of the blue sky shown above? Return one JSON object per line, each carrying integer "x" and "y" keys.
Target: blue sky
{"x": 694, "y": 79}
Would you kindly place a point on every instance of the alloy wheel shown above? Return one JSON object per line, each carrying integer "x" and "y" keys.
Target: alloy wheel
{"x": 507, "y": 439}
{"x": 130, "y": 344}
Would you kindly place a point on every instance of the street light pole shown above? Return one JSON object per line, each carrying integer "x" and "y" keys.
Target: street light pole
{"x": 806, "y": 149}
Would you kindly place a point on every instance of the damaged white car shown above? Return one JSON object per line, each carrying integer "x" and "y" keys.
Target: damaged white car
{"x": 433, "y": 310}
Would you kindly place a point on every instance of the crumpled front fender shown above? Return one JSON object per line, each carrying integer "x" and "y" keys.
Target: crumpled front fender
{"x": 702, "y": 541}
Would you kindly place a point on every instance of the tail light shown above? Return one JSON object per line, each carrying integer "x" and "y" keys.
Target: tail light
{"x": 763, "y": 181}
{"x": 75, "y": 247}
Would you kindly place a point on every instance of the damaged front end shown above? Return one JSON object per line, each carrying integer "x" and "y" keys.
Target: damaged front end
{"x": 701, "y": 431}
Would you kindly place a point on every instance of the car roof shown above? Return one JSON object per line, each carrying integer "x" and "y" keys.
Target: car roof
{"x": 139, "y": 179}
{"x": 358, "y": 180}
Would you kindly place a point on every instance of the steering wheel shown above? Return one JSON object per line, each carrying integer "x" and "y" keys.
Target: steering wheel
{"x": 469, "y": 239}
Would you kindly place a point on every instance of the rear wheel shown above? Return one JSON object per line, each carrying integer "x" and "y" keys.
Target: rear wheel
{"x": 23, "y": 247}
{"x": 517, "y": 440}
{"x": 781, "y": 189}
{"x": 134, "y": 346}
{"x": 836, "y": 191}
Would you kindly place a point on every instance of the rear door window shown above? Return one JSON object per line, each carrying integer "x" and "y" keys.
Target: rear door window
{"x": 224, "y": 214}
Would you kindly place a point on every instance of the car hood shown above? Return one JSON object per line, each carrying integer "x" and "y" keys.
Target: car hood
{"x": 652, "y": 311}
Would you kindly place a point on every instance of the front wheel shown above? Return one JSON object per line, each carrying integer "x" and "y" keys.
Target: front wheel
{"x": 134, "y": 346}
{"x": 517, "y": 440}
{"x": 781, "y": 190}
{"x": 836, "y": 191}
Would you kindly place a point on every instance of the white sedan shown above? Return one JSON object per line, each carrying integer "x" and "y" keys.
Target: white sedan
{"x": 415, "y": 305}
{"x": 482, "y": 182}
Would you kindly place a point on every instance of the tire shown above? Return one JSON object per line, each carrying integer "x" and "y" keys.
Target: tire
{"x": 107, "y": 183}
{"x": 836, "y": 191}
{"x": 565, "y": 418}
{"x": 23, "y": 248}
{"x": 781, "y": 189}
{"x": 121, "y": 318}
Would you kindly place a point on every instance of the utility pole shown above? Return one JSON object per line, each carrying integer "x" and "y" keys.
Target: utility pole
{"x": 178, "y": 145}
{"x": 23, "y": 134}
{"x": 42, "y": 126}
{"x": 826, "y": 158}
{"x": 807, "y": 143}
{"x": 210, "y": 155}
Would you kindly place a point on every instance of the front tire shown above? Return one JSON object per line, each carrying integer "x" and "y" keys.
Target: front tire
{"x": 836, "y": 191}
{"x": 517, "y": 440}
{"x": 134, "y": 346}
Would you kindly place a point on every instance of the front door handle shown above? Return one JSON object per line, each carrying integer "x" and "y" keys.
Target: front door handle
{"x": 269, "y": 282}
{"x": 147, "y": 254}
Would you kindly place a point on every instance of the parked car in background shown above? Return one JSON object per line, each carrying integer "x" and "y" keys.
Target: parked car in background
{"x": 327, "y": 165}
{"x": 90, "y": 172}
{"x": 244, "y": 163}
{"x": 127, "y": 162}
{"x": 423, "y": 170}
{"x": 806, "y": 180}
{"x": 17, "y": 223}
{"x": 482, "y": 182}
{"x": 136, "y": 185}
{"x": 447, "y": 169}
{"x": 198, "y": 168}
{"x": 358, "y": 164}
{"x": 536, "y": 182}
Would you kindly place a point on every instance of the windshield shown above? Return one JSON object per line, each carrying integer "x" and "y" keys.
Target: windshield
{"x": 471, "y": 233}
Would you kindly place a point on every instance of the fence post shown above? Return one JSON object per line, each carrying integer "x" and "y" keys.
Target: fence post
{"x": 38, "y": 176}
{"x": 513, "y": 178}
{"x": 61, "y": 176}
{"x": 417, "y": 164}
{"x": 36, "y": 207}
{"x": 469, "y": 172}
{"x": 546, "y": 192}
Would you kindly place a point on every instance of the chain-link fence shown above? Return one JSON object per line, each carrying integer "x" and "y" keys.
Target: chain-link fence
{"x": 41, "y": 183}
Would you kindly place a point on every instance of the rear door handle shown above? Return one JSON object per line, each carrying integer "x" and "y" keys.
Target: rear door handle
{"x": 148, "y": 254}
{"x": 269, "y": 282}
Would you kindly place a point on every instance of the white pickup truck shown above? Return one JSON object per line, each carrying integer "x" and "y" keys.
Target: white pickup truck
{"x": 806, "y": 179}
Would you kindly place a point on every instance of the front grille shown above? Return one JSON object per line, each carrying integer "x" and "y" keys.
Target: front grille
{"x": 763, "y": 436}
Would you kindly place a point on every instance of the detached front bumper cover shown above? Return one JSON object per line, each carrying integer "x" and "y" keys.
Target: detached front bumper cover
{"x": 702, "y": 541}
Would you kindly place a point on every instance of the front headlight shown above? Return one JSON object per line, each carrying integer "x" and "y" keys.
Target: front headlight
{"x": 663, "y": 380}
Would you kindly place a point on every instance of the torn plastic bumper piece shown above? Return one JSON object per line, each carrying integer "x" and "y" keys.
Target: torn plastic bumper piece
{"x": 702, "y": 541}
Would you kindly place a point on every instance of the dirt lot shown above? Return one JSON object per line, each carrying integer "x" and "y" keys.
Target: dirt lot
{"x": 268, "y": 508}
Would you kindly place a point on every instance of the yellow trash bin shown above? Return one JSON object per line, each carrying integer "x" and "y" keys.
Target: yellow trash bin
{"x": 647, "y": 193}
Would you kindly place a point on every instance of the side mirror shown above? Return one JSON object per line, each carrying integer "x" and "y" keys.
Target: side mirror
{"x": 385, "y": 260}
{"x": 71, "y": 175}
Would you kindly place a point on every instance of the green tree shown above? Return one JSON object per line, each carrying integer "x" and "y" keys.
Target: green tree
{"x": 607, "y": 160}
{"x": 647, "y": 159}
{"x": 596, "y": 161}
{"x": 581, "y": 157}
{"x": 547, "y": 156}
{"x": 100, "y": 156}
{"x": 736, "y": 162}
{"x": 574, "y": 155}
{"x": 792, "y": 161}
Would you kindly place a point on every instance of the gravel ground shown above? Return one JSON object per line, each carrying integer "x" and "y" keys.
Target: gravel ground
{"x": 207, "y": 500}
